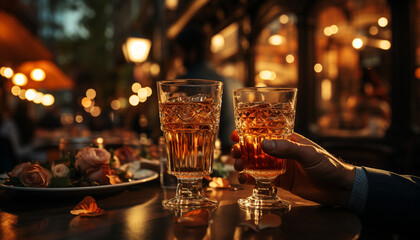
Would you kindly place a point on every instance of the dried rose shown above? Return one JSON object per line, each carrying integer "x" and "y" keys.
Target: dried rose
{"x": 18, "y": 169}
{"x": 87, "y": 208}
{"x": 125, "y": 154}
{"x": 60, "y": 170}
{"x": 100, "y": 174}
{"x": 92, "y": 158}
{"x": 35, "y": 176}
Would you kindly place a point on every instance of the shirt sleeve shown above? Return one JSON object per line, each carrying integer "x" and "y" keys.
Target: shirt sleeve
{"x": 359, "y": 192}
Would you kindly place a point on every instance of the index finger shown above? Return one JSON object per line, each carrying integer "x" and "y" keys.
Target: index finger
{"x": 234, "y": 136}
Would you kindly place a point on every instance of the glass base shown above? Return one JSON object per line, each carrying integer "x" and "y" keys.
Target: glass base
{"x": 176, "y": 203}
{"x": 264, "y": 197}
{"x": 264, "y": 204}
{"x": 189, "y": 195}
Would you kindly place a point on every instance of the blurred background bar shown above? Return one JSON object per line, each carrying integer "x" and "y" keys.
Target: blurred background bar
{"x": 356, "y": 64}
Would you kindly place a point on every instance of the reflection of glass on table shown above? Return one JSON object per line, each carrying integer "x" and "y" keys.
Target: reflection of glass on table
{"x": 263, "y": 113}
{"x": 189, "y": 116}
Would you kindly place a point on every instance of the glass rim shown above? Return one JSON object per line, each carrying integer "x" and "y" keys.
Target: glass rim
{"x": 189, "y": 81}
{"x": 265, "y": 89}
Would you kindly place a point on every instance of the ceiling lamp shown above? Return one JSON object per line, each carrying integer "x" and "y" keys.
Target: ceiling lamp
{"x": 136, "y": 50}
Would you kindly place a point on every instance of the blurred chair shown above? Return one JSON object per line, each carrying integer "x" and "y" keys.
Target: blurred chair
{"x": 7, "y": 155}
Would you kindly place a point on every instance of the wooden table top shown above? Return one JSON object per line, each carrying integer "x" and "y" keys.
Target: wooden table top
{"x": 137, "y": 213}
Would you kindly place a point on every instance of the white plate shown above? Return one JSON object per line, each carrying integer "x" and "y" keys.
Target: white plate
{"x": 143, "y": 175}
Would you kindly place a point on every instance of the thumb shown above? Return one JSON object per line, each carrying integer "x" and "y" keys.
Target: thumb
{"x": 306, "y": 155}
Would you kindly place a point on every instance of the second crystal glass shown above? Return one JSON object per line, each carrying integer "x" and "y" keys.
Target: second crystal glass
{"x": 189, "y": 113}
{"x": 263, "y": 113}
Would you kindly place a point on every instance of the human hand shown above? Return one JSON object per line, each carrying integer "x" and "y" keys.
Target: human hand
{"x": 311, "y": 172}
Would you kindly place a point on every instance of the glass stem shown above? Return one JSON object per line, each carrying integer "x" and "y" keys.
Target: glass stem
{"x": 189, "y": 188}
{"x": 264, "y": 189}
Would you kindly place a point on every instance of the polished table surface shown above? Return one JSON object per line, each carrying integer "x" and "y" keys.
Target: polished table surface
{"x": 137, "y": 213}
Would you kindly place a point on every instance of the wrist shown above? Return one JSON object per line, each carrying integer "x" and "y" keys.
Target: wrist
{"x": 347, "y": 185}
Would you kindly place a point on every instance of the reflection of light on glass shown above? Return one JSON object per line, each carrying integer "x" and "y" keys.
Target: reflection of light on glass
{"x": 15, "y": 90}
{"x": 142, "y": 93}
{"x": 267, "y": 75}
{"x": 326, "y": 89}
{"x": 134, "y": 100}
{"x": 149, "y": 91}
{"x": 115, "y": 104}
{"x": 217, "y": 43}
{"x": 20, "y": 79}
{"x": 357, "y": 43}
{"x": 284, "y": 19}
{"x": 318, "y": 68}
{"x": 37, "y": 74}
{"x": 79, "y": 118}
{"x": 30, "y": 94}
{"x": 290, "y": 58}
{"x": 86, "y": 102}
{"x": 327, "y": 31}
{"x": 384, "y": 44}
{"x": 276, "y": 39}
{"x": 91, "y": 93}
{"x": 7, "y": 72}
{"x": 38, "y": 97}
{"x": 135, "y": 87}
{"x": 48, "y": 100}
{"x": 260, "y": 85}
{"x": 382, "y": 22}
{"x": 373, "y": 30}
{"x": 154, "y": 69}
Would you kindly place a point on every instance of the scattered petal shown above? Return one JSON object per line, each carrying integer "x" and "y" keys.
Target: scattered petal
{"x": 114, "y": 179}
{"x": 269, "y": 221}
{"x": 218, "y": 182}
{"x": 194, "y": 218}
{"x": 87, "y": 207}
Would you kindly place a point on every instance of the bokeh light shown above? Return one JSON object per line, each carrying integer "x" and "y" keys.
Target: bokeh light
{"x": 48, "y": 100}
{"x": 91, "y": 93}
{"x": 30, "y": 94}
{"x": 318, "y": 68}
{"x": 37, "y": 74}
{"x": 20, "y": 79}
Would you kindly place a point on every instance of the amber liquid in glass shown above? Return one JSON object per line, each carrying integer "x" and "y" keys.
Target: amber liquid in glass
{"x": 256, "y": 122}
{"x": 190, "y": 129}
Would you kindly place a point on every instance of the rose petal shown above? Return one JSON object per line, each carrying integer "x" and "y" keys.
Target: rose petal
{"x": 194, "y": 218}
{"x": 87, "y": 207}
{"x": 114, "y": 179}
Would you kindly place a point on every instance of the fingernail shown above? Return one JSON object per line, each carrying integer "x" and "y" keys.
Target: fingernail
{"x": 268, "y": 145}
